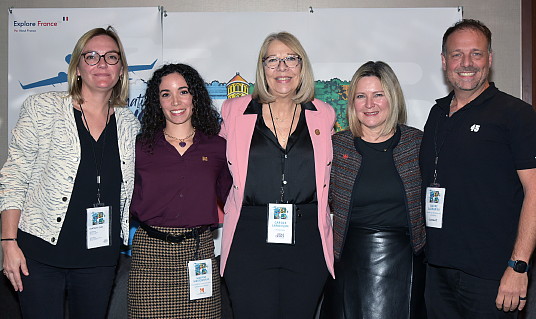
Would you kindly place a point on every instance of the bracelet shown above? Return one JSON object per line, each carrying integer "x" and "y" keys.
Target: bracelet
{"x": 8, "y": 239}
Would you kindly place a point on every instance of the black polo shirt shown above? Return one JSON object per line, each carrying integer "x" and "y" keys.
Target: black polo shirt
{"x": 479, "y": 149}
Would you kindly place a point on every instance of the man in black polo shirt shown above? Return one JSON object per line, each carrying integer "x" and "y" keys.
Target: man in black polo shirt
{"x": 478, "y": 160}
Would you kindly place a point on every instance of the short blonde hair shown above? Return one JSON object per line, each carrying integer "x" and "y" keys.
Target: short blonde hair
{"x": 306, "y": 88}
{"x": 392, "y": 90}
{"x": 120, "y": 91}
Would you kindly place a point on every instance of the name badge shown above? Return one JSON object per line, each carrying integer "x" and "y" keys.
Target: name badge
{"x": 98, "y": 226}
{"x": 435, "y": 198}
{"x": 281, "y": 222}
{"x": 200, "y": 278}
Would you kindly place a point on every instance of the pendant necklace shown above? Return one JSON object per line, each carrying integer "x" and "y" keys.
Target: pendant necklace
{"x": 382, "y": 146}
{"x": 182, "y": 142}
{"x": 291, "y": 123}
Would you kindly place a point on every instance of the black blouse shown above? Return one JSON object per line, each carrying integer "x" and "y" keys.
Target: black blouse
{"x": 378, "y": 197}
{"x": 71, "y": 250}
{"x": 270, "y": 166}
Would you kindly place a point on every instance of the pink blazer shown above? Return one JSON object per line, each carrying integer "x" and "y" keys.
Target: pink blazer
{"x": 237, "y": 129}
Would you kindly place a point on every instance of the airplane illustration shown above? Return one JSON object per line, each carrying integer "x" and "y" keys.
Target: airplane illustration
{"x": 62, "y": 76}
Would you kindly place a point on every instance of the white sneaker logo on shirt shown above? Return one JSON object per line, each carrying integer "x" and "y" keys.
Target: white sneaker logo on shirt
{"x": 475, "y": 128}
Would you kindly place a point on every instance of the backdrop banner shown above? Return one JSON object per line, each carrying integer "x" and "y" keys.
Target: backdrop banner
{"x": 224, "y": 47}
{"x": 41, "y": 42}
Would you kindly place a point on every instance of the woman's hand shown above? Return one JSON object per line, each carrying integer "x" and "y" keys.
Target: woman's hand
{"x": 14, "y": 263}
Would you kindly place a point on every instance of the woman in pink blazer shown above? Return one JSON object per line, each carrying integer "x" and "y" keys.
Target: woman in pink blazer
{"x": 277, "y": 246}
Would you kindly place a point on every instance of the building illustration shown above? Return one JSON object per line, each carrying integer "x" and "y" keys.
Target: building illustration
{"x": 237, "y": 86}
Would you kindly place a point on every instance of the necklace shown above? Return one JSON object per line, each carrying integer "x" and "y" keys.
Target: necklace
{"x": 382, "y": 146}
{"x": 182, "y": 142}
{"x": 284, "y": 140}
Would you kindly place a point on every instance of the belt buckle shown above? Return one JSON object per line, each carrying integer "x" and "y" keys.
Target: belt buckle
{"x": 168, "y": 239}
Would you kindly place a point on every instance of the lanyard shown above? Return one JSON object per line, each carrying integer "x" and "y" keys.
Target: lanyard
{"x": 436, "y": 153}
{"x": 285, "y": 154}
{"x": 97, "y": 166}
{"x": 439, "y": 146}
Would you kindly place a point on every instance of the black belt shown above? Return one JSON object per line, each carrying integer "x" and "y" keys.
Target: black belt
{"x": 155, "y": 233}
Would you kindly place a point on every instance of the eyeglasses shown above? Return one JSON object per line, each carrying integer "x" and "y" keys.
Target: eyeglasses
{"x": 290, "y": 61}
{"x": 93, "y": 58}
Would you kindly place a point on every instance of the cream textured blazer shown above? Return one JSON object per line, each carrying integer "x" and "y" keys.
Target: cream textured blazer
{"x": 43, "y": 158}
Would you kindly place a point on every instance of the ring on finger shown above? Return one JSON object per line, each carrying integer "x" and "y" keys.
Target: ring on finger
{"x": 522, "y": 298}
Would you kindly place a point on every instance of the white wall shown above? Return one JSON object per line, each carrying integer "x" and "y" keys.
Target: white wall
{"x": 502, "y": 17}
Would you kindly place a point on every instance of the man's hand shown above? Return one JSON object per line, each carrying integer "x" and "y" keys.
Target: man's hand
{"x": 513, "y": 287}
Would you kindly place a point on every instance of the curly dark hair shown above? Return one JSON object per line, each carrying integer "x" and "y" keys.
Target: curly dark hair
{"x": 205, "y": 118}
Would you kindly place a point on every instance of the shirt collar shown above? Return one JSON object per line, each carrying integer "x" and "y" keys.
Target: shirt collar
{"x": 254, "y": 107}
{"x": 444, "y": 103}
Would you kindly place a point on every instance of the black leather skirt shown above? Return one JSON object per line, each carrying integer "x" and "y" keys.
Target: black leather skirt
{"x": 377, "y": 277}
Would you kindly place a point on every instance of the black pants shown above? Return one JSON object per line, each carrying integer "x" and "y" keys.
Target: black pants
{"x": 118, "y": 307}
{"x": 275, "y": 281}
{"x": 87, "y": 289}
{"x": 453, "y": 294}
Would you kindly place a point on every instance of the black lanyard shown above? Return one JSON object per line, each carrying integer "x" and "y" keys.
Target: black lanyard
{"x": 285, "y": 153}
{"x": 97, "y": 166}
{"x": 439, "y": 147}
{"x": 437, "y": 150}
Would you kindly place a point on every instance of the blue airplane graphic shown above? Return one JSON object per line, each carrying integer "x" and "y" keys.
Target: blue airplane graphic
{"x": 62, "y": 76}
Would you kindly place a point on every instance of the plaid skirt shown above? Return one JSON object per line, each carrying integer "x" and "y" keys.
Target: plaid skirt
{"x": 158, "y": 281}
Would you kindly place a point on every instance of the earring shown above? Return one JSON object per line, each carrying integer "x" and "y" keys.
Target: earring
{"x": 78, "y": 78}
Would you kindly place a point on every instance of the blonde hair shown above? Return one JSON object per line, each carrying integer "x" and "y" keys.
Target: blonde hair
{"x": 120, "y": 90}
{"x": 306, "y": 89}
{"x": 393, "y": 93}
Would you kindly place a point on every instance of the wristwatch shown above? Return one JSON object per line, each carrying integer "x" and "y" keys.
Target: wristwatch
{"x": 519, "y": 265}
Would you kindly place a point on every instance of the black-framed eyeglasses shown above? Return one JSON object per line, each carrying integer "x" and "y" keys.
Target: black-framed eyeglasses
{"x": 291, "y": 61}
{"x": 93, "y": 58}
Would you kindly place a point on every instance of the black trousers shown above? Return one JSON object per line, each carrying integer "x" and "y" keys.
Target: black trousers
{"x": 275, "y": 281}
{"x": 453, "y": 294}
{"x": 45, "y": 289}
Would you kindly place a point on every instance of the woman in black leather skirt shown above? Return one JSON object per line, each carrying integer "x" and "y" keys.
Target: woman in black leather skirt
{"x": 375, "y": 196}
